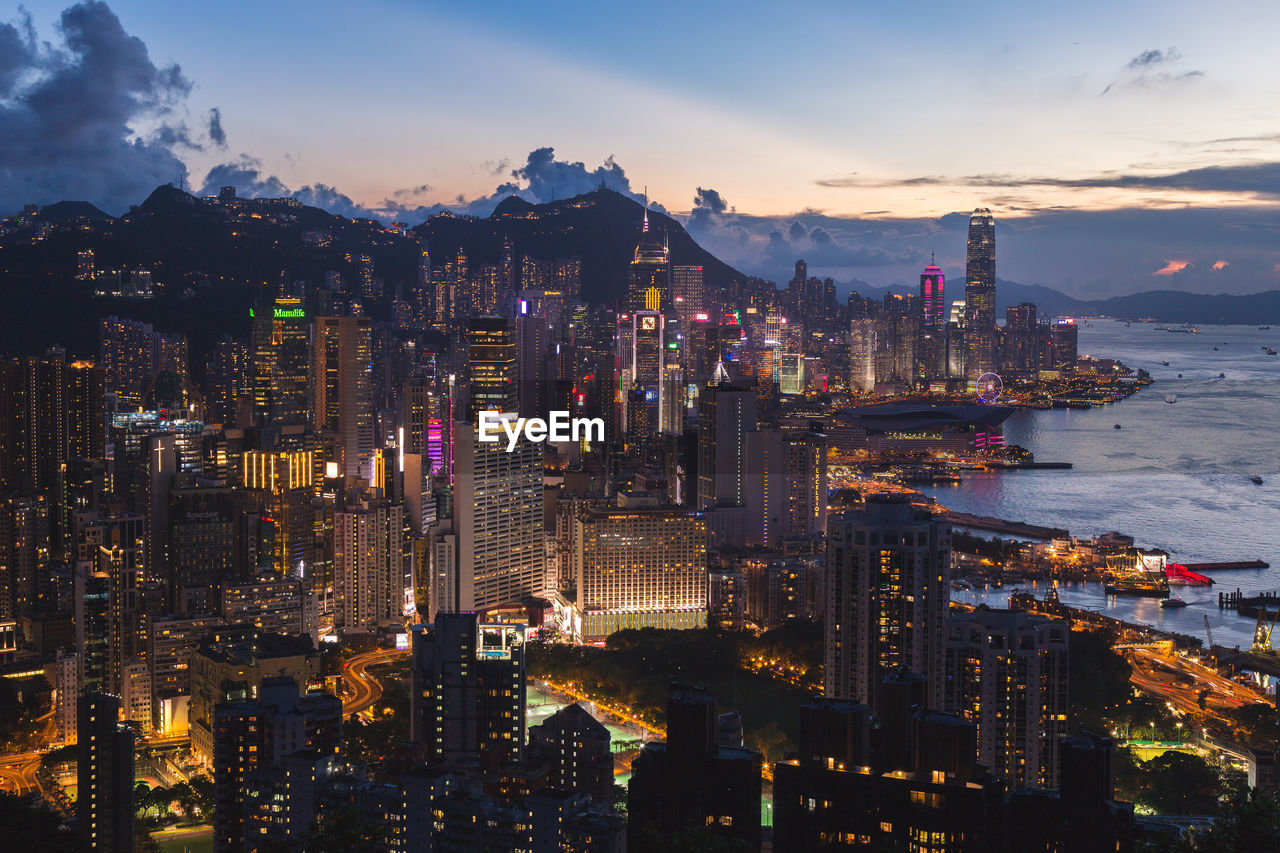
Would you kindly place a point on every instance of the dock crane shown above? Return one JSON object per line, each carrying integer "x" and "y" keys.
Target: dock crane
{"x": 1208, "y": 631}
{"x": 1262, "y": 632}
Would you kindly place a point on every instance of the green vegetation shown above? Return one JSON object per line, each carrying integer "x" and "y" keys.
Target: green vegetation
{"x": 24, "y": 825}
{"x": 1248, "y": 821}
{"x": 635, "y": 670}
{"x": 19, "y": 707}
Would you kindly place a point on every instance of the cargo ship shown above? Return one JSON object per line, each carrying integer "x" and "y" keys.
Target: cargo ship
{"x": 1138, "y": 573}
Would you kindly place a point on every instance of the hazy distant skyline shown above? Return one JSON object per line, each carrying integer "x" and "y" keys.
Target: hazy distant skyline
{"x": 1121, "y": 149}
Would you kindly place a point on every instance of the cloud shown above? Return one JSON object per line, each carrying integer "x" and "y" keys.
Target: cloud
{"x": 71, "y": 112}
{"x": 1257, "y": 179}
{"x": 217, "y": 135}
{"x": 710, "y": 200}
{"x": 1220, "y": 265}
{"x": 1172, "y": 267}
{"x": 1141, "y": 74}
{"x": 1148, "y": 58}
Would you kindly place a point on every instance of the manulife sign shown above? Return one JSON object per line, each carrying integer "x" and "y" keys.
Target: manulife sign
{"x": 285, "y": 313}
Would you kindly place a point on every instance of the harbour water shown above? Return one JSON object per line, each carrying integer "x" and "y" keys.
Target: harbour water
{"x": 1176, "y": 475}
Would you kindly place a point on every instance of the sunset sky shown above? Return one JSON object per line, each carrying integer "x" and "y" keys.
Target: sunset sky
{"x": 868, "y": 122}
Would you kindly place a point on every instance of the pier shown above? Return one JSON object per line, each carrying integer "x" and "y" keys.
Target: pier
{"x": 1000, "y": 525}
{"x": 1226, "y": 567}
{"x": 1249, "y": 605}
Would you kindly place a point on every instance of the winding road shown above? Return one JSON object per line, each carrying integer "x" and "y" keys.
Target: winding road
{"x": 361, "y": 689}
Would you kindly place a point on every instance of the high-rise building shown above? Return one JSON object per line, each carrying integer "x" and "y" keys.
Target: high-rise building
{"x": 104, "y": 774}
{"x": 786, "y": 486}
{"x": 888, "y": 576}
{"x": 726, "y": 414}
{"x": 253, "y": 735}
{"x": 286, "y": 481}
{"x": 499, "y": 551}
{"x": 980, "y": 295}
{"x": 128, "y": 358}
{"x": 492, "y": 366}
{"x": 280, "y": 356}
{"x": 231, "y": 663}
{"x": 650, "y": 270}
{"x": 862, "y": 354}
{"x": 368, "y": 565}
{"x": 691, "y": 782}
{"x": 688, "y": 294}
{"x": 638, "y": 567}
{"x": 1006, "y": 671}
{"x": 577, "y": 747}
{"x": 468, "y": 689}
{"x": 343, "y": 391}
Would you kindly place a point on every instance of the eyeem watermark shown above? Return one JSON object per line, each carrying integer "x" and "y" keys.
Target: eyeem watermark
{"x": 561, "y": 427}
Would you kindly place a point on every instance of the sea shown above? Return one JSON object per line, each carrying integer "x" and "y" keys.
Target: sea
{"x": 1175, "y": 475}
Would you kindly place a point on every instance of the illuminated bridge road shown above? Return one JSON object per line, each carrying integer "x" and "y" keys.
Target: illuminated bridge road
{"x": 18, "y": 773}
{"x": 365, "y": 689}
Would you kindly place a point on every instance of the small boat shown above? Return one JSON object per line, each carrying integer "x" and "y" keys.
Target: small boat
{"x": 1215, "y": 349}
{"x": 1118, "y": 426}
{"x": 1165, "y": 363}
{"x": 1173, "y": 602}
{"x": 1172, "y": 398}
{"x": 1256, "y": 480}
{"x": 1264, "y": 328}
{"x": 1222, "y": 376}
{"x": 1270, "y": 351}
{"x": 1179, "y": 375}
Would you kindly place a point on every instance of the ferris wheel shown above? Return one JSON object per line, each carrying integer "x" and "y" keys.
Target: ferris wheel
{"x": 990, "y": 387}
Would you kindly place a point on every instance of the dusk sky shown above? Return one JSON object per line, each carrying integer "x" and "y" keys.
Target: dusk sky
{"x": 1121, "y": 149}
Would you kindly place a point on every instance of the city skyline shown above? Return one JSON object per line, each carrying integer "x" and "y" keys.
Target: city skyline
{"x": 1156, "y": 149}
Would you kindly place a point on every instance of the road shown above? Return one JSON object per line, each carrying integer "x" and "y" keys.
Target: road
{"x": 18, "y": 773}
{"x": 364, "y": 690}
{"x": 1180, "y": 682}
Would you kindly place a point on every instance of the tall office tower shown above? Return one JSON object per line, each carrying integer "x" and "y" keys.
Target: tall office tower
{"x": 1064, "y": 338}
{"x": 284, "y": 606}
{"x": 725, "y": 415}
{"x": 423, "y": 303}
{"x": 287, "y": 479}
{"x": 253, "y": 735}
{"x": 368, "y": 285}
{"x": 650, "y": 268}
{"x": 93, "y": 625}
{"x": 1020, "y": 353}
{"x": 368, "y": 565}
{"x": 343, "y": 393}
{"x": 637, "y": 568}
{"x": 647, "y": 359}
{"x": 499, "y": 552}
{"x": 688, "y": 295}
{"x": 468, "y": 689}
{"x": 24, "y": 554}
{"x": 534, "y": 336}
{"x": 786, "y": 486}
{"x": 127, "y": 349}
{"x": 229, "y": 381}
{"x": 1006, "y": 671}
{"x": 492, "y": 366}
{"x": 201, "y": 545}
{"x": 115, "y": 545}
{"x": 66, "y": 686}
{"x": 888, "y": 576}
{"x": 104, "y": 774}
{"x": 980, "y": 295}
{"x": 932, "y": 351}
{"x": 862, "y": 353}
{"x": 691, "y": 782}
{"x": 280, "y": 355}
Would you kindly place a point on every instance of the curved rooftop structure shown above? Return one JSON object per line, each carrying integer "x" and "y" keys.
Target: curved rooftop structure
{"x": 916, "y": 417}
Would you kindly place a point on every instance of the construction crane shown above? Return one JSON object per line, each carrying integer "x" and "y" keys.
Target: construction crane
{"x": 1262, "y": 632}
{"x": 1208, "y": 631}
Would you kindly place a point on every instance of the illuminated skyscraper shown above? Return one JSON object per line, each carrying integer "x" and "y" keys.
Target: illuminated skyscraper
{"x": 491, "y": 360}
{"x": 888, "y": 577}
{"x": 127, "y": 349}
{"x": 650, "y": 267}
{"x": 287, "y": 478}
{"x": 688, "y": 294}
{"x": 933, "y": 307}
{"x": 343, "y": 388}
{"x": 980, "y": 295}
{"x": 369, "y": 562}
{"x": 637, "y": 568}
{"x": 496, "y": 546}
{"x": 280, "y": 352}
{"x": 104, "y": 764}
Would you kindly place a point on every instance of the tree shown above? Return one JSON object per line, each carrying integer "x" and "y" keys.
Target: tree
{"x": 202, "y": 793}
{"x": 24, "y": 826}
{"x": 1250, "y": 821}
{"x": 1178, "y": 783}
{"x": 770, "y": 741}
